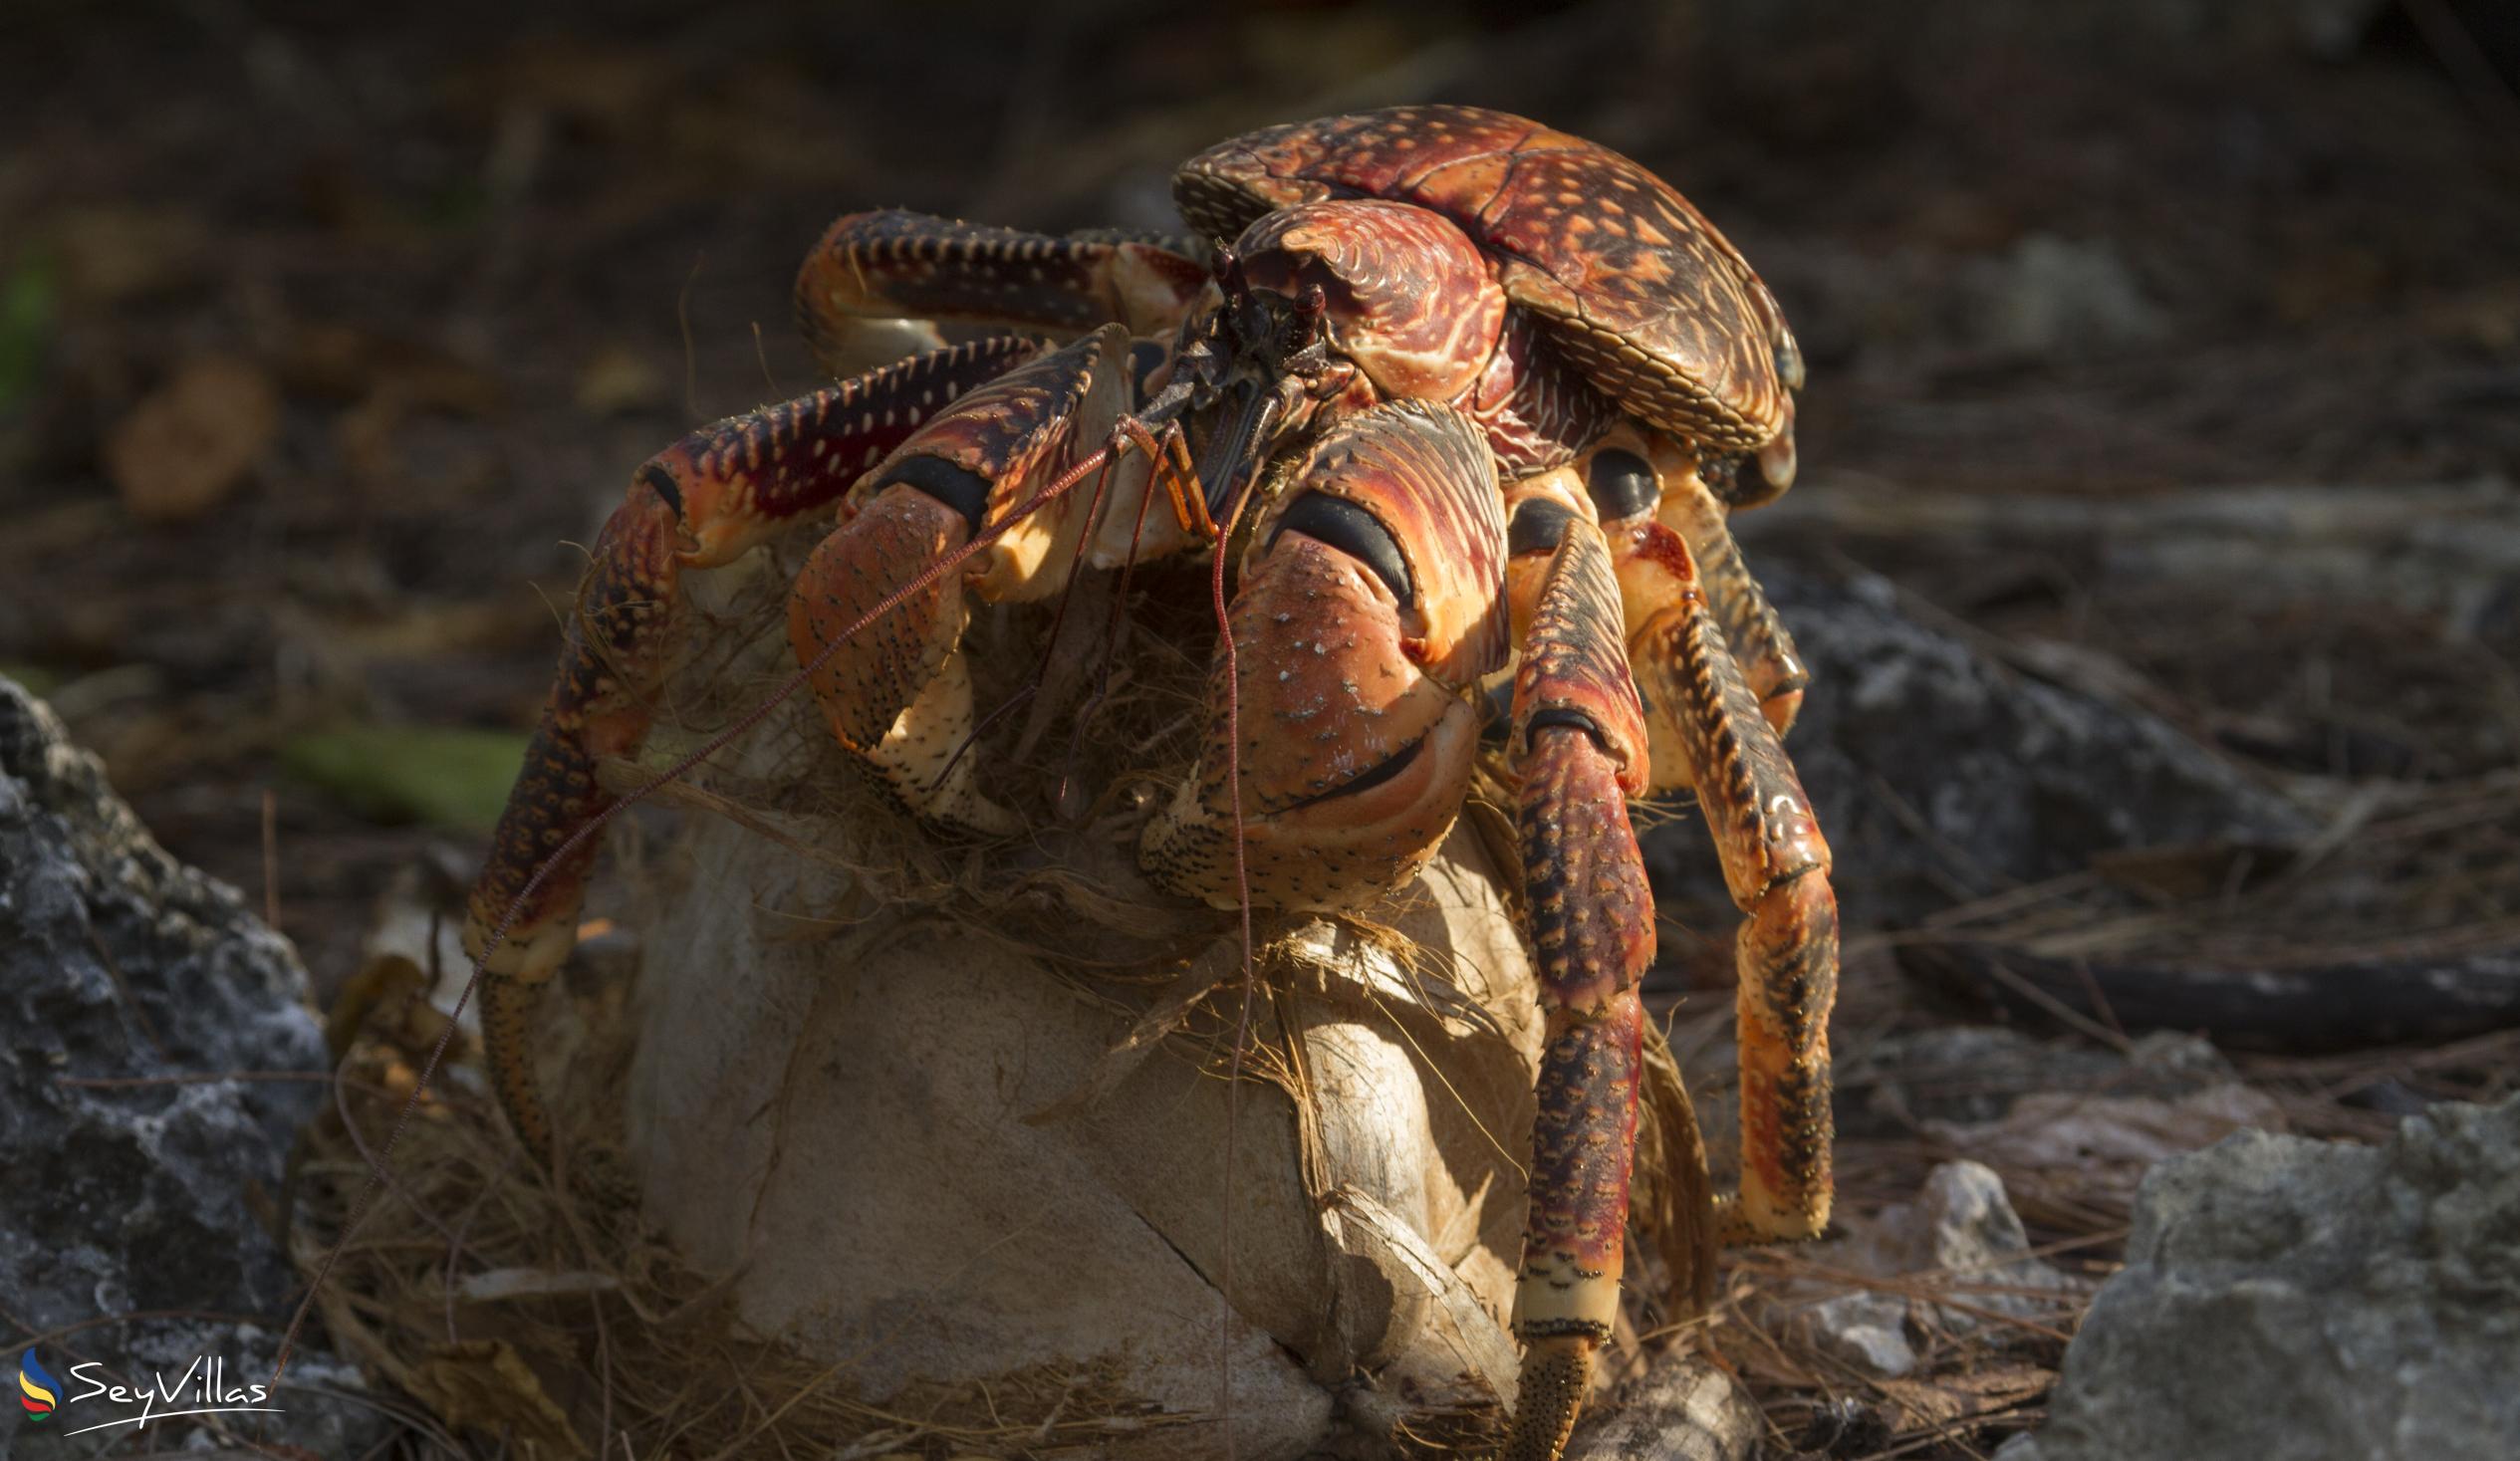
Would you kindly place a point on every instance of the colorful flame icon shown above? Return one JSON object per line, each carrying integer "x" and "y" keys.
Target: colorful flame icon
{"x": 40, "y": 1389}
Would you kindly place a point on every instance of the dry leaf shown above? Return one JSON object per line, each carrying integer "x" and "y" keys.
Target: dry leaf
{"x": 484, "y": 1386}
{"x": 181, "y": 451}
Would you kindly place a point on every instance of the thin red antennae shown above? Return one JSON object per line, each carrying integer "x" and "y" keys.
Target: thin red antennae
{"x": 1101, "y": 456}
{"x": 1242, "y": 1022}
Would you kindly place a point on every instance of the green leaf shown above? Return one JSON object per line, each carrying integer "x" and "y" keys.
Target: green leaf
{"x": 27, "y": 299}
{"x": 444, "y": 776}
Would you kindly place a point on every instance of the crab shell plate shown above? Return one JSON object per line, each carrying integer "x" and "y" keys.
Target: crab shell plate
{"x": 1631, "y": 283}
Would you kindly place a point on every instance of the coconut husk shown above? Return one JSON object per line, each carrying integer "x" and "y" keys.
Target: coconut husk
{"x": 950, "y": 1147}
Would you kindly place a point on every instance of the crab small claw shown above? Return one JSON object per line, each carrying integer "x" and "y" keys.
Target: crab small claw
{"x": 899, "y": 694}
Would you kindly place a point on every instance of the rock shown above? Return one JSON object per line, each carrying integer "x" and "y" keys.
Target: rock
{"x": 1961, "y": 1229}
{"x": 1966, "y": 1076}
{"x": 2305, "y": 1300}
{"x": 1865, "y": 1330}
{"x": 1938, "y": 773}
{"x": 1965, "y": 1223}
{"x": 118, "y": 962}
{"x": 1682, "y": 1410}
{"x": 2054, "y": 298}
{"x": 1963, "y": 1226}
{"x": 2104, "y": 1145}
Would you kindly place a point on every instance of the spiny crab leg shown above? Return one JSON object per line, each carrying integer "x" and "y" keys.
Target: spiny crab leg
{"x": 1776, "y": 866}
{"x": 698, "y": 504}
{"x": 892, "y": 264}
{"x": 1581, "y": 752}
{"x": 1757, "y": 637}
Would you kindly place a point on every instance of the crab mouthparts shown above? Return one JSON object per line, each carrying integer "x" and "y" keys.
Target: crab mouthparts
{"x": 1230, "y": 453}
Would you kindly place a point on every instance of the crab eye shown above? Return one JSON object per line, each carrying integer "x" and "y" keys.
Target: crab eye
{"x": 1351, "y": 529}
{"x": 1622, "y": 485}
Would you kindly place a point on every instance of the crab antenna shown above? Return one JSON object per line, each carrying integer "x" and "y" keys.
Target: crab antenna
{"x": 1239, "y": 499}
{"x": 1110, "y": 451}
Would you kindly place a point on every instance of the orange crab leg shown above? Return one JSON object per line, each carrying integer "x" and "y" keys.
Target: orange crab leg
{"x": 1579, "y": 735}
{"x": 1776, "y": 866}
{"x": 1757, "y": 637}
{"x": 894, "y": 263}
{"x": 698, "y": 503}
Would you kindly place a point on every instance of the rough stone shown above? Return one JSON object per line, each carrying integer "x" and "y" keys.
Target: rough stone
{"x": 1933, "y": 768}
{"x": 1964, "y": 1225}
{"x": 1682, "y": 1410}
{"x": 1963, "y": 1076}
{"x": 2287, "y": 1300}
{"x": 1961, "y": 1228}
{"x": 2053, "y": 297}
{"x": 118, "y": 962}
{"x": 1865, "y": 1330}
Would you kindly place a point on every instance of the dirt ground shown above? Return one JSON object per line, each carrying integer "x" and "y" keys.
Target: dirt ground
{"x": 328, "y": 334}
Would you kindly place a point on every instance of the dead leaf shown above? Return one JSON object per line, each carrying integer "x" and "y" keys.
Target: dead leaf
{"x": 115, "y": 252}
{"x": 184, "y": 449}
{"x": 484, "y": 1386}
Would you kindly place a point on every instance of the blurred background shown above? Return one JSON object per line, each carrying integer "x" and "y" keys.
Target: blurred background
{"x": 328, "y": 334}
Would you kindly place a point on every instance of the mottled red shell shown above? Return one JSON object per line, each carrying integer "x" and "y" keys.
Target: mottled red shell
{"x": 1412, "y": 302}
{"x": 1630, "y": 283}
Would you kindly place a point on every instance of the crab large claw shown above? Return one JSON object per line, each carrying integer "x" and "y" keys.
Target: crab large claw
{"x": 1367, "y": 602}
{"x": 1373, "y": 601}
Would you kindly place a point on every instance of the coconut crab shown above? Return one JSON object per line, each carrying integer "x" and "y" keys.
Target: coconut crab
{"x": 1455, "y": 385}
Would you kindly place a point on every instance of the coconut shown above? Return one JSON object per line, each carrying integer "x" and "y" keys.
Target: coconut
{"x": 994, "y": 1149}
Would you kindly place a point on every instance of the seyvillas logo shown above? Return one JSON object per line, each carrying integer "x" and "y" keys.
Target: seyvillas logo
{"x": 38, "y": 1392}
{"x": 200, "y": 1388}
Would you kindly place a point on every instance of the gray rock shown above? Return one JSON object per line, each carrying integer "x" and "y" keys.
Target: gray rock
{"x": 1966, "y": 1222}
{"x": 1938, "y": 773}
{"x": 2053, "y": 297}
{"x": 1964, "y": 1225}
{"x": 1682, "y": 1410}
{"x": 1865, "y": 1330}
{"x": 1968, "y": 1075}
{"x": 2287, "y": 1299}
{"x": 1960, "y": 1230}
{"x": 116, "y": 961}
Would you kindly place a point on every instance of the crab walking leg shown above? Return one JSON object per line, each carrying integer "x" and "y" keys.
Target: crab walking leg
{"x": 871, "y": 269}
{"x": 1776, "y": 866}
{"x": 898, "y": 696}
{"x": 1580, "y": 737}
{"x": 1757, "y": 637}
{"x": 698, "y": 504}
